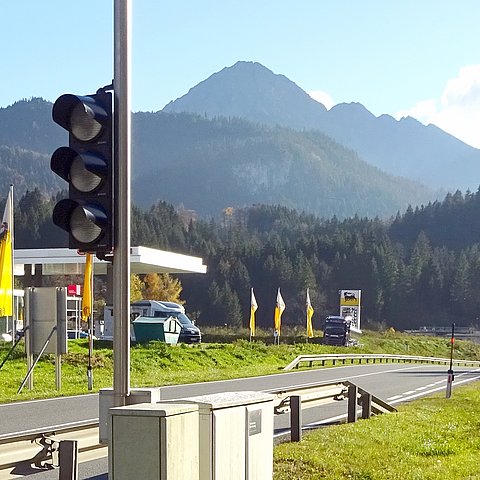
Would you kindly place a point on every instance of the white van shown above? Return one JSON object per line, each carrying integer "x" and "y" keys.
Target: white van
{"x": 156, "y": 309}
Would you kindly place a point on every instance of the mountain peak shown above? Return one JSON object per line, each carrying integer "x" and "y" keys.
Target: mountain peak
{"x": 406, "y": 147}
{"x": 252, "y": 91}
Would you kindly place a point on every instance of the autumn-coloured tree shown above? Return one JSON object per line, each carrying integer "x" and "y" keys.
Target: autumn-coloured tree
{"x": 162, "y": 287}
{"x": 136, "y": 288}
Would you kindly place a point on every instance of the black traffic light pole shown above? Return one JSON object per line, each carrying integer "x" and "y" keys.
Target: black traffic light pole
{"x": 122, "y": 153}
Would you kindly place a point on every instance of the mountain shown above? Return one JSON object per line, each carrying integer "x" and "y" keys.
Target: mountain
{"x": 210, "y": 164}
{"x": 400, "y": 147}
{"x": 27, "y": 138}
{"x": 251, "y": 91}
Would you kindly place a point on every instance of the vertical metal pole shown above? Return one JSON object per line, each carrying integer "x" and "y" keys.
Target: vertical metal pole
{"x": 28, "y": 329}
{"x": 121, "y": 261}
{"x": 295, "y": 418}
{"x": 30, "y": 361}
{"x": 58, "y": 371}
{"x": 68, "y": 460}
{"x": 12, "y": 237}
{"x": 352, "y": 403}
{"x": 366, "y": 405}
{"x": 90, "y": 352}
{"x": 90, "y": 335}
{"x": 450, "y": 377}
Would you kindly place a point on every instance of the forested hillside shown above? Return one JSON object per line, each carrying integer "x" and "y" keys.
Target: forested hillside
{"x": 211, "y": 164}
{"x": 423, "y": 267}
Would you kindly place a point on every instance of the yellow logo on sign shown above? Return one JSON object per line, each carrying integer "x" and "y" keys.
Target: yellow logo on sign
{"x": 349, "y": 297}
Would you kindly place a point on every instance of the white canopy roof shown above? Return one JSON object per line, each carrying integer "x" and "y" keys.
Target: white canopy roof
{"x": 63, "y": 261}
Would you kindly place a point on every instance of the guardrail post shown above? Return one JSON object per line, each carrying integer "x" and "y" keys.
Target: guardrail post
{"x": 366, "y": 405}
{"x": 68, "y": 460}
{"x": 295, "y": 418}
{"x": 352, "y": 403}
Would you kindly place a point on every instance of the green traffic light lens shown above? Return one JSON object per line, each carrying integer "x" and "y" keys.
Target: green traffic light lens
{"x": 82, "y": 179}
{"x": 83, "y": 125}
{"x": 83, "y": 227}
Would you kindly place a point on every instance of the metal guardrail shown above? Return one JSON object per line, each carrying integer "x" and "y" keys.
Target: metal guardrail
{"x": 294, "y": 399}
{"x": 333, "y": 358}
{"x": 39, "y": 449}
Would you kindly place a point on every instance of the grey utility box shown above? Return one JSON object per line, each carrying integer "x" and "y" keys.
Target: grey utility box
{"x": 106, "y": 402}
{"x": 156, "y": 441}
{"x": 236, "y": 435}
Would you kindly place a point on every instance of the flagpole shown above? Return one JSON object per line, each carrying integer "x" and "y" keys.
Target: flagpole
{"x": 306, "y": 310}
{"x": 253, "y": 309}
{"x": 14, "y": 326}
{"x": 309, "y": 314}
{"x": 90, "y": 334}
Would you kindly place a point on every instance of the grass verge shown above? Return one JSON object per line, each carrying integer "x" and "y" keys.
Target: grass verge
{"x": 157, "y": 364}
{"x": 429, "y": 439}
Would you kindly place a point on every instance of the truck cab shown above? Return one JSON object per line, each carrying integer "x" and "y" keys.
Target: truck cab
{"x": 336, "y": 331}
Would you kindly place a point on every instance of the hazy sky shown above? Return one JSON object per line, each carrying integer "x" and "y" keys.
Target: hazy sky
{"x": 415, "y": 57}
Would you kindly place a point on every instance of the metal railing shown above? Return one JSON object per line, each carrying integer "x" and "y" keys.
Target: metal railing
{"x": 334, "y": 358}
{"x": 295, "y": 399}
{"x": 40, "y": 448}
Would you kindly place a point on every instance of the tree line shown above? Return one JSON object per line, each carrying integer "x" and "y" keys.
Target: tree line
{"x": 420, "y": 268}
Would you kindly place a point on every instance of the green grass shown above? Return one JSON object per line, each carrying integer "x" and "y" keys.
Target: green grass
{"x": 158, "y": 364}
{"x": 429, "y": 439}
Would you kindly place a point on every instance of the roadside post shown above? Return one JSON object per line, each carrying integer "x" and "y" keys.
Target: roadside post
{"x": 450, "y": 377}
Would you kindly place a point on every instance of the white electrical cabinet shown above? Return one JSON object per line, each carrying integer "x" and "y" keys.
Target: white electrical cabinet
{"x": 236, "y": 435}
{"x": 154, "y": 441}
{"x": 106, "y": 402}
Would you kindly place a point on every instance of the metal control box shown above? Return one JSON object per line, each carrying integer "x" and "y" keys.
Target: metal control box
{"x": 106, "y": 402}
{"x": 236, "y": 435}
{"x": 154, "y": 441}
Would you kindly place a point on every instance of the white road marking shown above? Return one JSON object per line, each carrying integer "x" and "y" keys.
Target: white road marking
{"x": 436, "y": 389}
{"x": 393, "y": 398}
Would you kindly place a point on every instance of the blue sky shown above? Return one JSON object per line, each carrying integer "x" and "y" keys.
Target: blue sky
{"x": 401, "y": 57}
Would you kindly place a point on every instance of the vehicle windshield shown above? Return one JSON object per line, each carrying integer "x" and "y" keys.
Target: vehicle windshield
{"x": 181, "y": 317}
{"x": 335, "y": 331}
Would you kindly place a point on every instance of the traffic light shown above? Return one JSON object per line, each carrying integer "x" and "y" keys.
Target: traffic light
{"x": 87, "y": 164}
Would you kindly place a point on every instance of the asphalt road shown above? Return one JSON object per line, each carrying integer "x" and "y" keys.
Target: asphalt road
{"x": 394, "y": 383}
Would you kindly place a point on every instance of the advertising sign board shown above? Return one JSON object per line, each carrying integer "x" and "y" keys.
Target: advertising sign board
{"x": 350, "y": 306}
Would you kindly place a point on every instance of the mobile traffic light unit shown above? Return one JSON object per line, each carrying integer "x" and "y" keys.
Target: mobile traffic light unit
{"x": 87, "y": 164}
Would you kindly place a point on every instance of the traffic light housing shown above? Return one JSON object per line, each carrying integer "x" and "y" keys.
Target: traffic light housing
{"x": 87, "y": 164}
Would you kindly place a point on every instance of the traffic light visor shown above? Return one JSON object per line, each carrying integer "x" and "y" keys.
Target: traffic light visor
{"x": 87, "y": 223}
{"x": 83, "y": 116}
{"x": 86, "y": 171}
{"x": 85, "y": 178}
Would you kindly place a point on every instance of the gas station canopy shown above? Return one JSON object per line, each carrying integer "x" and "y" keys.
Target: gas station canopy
{"x": 63, "y": 261}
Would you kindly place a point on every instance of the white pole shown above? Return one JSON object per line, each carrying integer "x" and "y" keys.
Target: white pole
{"x": 12, "y": 236}
{"x": 122, "y": 150}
